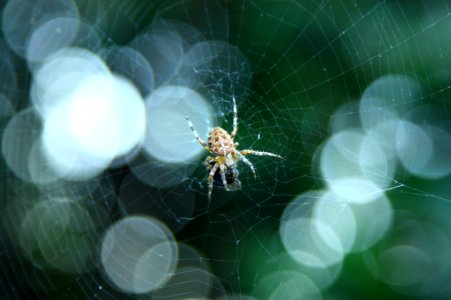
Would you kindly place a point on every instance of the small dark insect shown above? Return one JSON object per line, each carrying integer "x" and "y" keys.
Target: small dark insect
{"x": 231, "y": 176}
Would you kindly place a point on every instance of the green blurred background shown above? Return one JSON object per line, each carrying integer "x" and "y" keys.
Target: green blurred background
{"x": 306, "y": 59}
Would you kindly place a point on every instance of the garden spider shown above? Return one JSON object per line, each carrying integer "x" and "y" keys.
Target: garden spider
{"x": 225, "y": 155}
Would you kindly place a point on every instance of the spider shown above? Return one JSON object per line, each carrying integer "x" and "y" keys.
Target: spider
{"x": 225, "y": 154}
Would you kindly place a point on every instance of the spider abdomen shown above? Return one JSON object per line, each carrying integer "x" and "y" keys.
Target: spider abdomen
{"x": 220, "y": 142}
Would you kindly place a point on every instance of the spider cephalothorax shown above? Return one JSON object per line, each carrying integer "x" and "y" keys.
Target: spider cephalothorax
{"x": 226, "y": 156}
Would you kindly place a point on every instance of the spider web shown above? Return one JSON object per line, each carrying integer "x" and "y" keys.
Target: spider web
{"x": 353, "y": 95}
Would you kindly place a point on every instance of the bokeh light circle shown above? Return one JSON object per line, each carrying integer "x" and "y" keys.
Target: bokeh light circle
{"x": 138, "y": 254}
{"x": 168, "y": 136}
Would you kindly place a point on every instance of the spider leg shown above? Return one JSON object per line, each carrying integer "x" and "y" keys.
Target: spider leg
{"x": 247, "y": 162}
{"x": 223, "y": 177}
{"x": 198, "y": 138}
{"x": 235, "y": 120}
{"x": 210, "y": 179}
{"x": 259, "y": 153}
